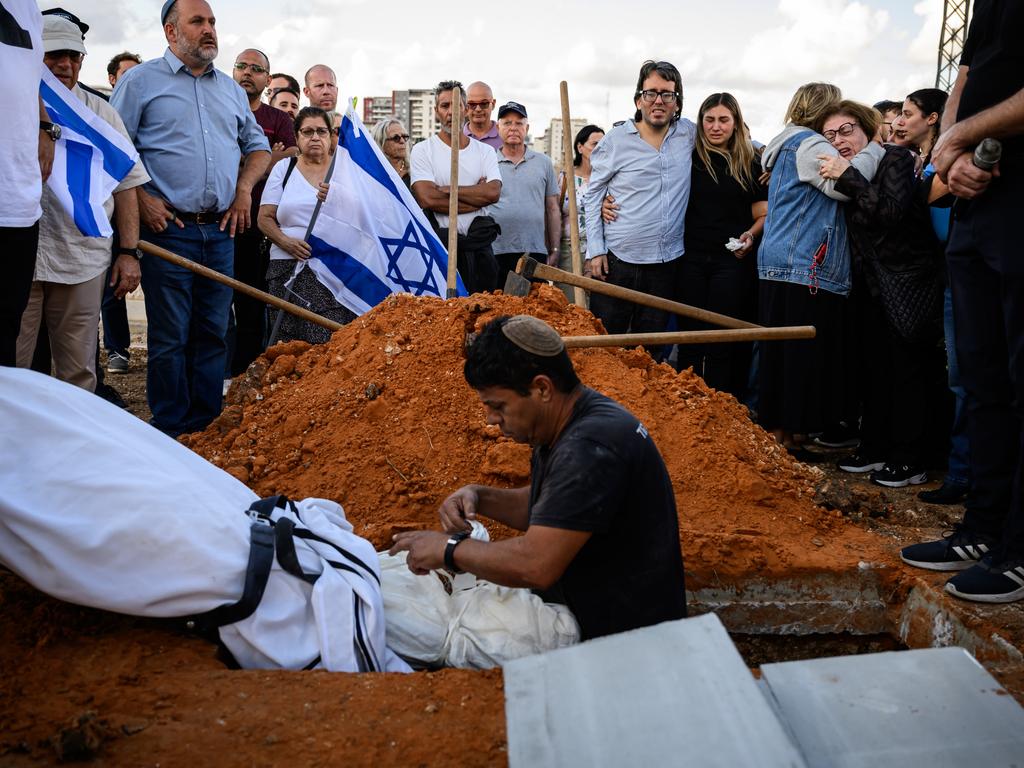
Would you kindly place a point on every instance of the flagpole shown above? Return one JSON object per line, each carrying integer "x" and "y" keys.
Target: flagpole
{"x": 570, "y": 185}
{"x": 453, "y": 193}
{"x": 312, "y": 220}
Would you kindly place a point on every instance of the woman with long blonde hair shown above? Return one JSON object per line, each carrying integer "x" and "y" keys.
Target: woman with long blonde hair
{"x": 724, "y": 219}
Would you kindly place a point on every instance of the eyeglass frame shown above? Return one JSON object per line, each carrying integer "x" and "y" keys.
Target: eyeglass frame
{"x": 397, "y": 136}
{"x": 323, "y": 133}
{"x": 472, "y": 106}
{"x": 650, "y": 96}
{"x": 840, "y": 132}
{"x": 256, "y": 69}
{"x": 75, "y": 57}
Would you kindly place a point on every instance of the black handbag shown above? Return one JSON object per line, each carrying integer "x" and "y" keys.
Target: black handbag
{"x": 912, "y": 299}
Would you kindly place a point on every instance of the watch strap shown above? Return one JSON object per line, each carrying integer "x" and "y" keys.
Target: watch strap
{"x": 449, "y": 551}
{"x": 133, "y": 252}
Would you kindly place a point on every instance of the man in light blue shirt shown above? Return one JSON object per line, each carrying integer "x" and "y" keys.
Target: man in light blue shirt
{"x": 198, "y": 139}
{"x": 644, "y": 164}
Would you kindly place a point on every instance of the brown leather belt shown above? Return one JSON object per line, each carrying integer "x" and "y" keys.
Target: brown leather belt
{"x": 201, "y": 217}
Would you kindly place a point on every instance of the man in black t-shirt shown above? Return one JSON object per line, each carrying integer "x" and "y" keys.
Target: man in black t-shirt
{"x": 986, "y": 272}
{"x": 600, "y": 531}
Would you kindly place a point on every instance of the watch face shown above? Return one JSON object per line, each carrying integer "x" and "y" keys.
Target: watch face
{"x": 55, "y": 131}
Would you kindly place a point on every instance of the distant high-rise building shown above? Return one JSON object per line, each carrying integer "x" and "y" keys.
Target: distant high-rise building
{"x": 553, "y": 137}
{"x": 377, "y": 108}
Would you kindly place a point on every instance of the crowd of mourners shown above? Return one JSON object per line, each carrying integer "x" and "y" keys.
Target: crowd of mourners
{"x": 880, "y": 225}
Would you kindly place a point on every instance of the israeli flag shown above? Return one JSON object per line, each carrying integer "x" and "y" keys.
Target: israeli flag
{"x": 371, "y": 239}
{"x": 90, "y": 158}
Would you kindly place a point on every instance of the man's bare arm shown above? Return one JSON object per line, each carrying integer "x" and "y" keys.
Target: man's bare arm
{"x": 471, "y": 197}
{"x": 508, "y": 506}
{"x": 953, "y": 102}
{"x": 239, "y": 215}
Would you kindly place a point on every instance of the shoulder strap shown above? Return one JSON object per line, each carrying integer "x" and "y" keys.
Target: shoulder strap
{"x": 291, "y": 167}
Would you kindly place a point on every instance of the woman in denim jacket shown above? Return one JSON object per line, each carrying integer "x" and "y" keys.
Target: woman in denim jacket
{"x": 804, "y": 268}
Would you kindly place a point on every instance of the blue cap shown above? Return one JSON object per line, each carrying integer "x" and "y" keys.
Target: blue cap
{"x": 166, "y": 9}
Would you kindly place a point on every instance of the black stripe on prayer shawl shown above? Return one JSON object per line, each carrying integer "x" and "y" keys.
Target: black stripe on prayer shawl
{"x": 366, "y": 662}
{"x": 11, "y": 32}
{"x": 308, "y": 535}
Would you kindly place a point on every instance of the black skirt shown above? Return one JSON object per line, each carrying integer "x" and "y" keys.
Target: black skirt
{"x": 802, "y": 382}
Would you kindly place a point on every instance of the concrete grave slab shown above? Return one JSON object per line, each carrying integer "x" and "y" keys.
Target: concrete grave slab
{"x": 675, "y": 693}
{"x": 933, "y": 707}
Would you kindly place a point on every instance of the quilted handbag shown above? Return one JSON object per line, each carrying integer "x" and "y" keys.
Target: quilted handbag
{"x": 912, "y": 300}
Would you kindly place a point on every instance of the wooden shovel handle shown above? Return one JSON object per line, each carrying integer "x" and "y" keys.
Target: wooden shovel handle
{"x": 690, "y": 337}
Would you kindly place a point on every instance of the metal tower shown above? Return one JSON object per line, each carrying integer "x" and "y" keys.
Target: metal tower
{"x": 951, "y": 41}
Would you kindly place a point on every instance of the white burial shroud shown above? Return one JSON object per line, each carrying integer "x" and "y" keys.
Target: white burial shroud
{"x": 100, "y": 509}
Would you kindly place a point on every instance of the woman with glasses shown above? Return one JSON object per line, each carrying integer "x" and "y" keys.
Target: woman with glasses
{"x": 727, "y": 205}
{"x": 286, "y": 209}
{"x": 804, "y": 269}
{"x": 392, "y": 137}
{"x": 890, "y": 233}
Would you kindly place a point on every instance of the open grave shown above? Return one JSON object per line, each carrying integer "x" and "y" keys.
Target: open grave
{"x": 381, "y": 420}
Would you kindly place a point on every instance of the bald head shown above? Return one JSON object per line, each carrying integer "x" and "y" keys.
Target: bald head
{"x": 321, "y": 87}
{"x": 479, "y": 105}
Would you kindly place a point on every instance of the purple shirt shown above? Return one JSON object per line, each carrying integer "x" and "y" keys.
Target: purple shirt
{"x": 277, "y": 127}
{"x": 491, "y": 137}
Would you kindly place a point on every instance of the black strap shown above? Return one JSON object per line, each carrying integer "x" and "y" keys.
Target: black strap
{"x": 291, "y": 167}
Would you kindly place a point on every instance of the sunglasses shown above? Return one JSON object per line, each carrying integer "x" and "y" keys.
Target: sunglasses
{"x": 399, "y": 137}
{"x": 74, "y": 56}
{"x": 478, "y": 105}
{"x": 256, "y": 69}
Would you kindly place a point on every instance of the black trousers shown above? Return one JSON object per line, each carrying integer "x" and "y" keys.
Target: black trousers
{"x": 250, "y": 313}
{"x": 896, "y": 376}
{"x": 986, "y": 271}
{"x": 727, "y": 285}
{"x": 20, "y": 244}
{"x": 507, "y": 263}
{"x": 620, "y": 316}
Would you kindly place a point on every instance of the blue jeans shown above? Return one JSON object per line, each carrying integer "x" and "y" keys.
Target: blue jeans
{"x": 187, "y": 318}
{"x": 958, "y": 471}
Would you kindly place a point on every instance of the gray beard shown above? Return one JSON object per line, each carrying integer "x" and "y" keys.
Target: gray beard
{"x": 200, "y": 52}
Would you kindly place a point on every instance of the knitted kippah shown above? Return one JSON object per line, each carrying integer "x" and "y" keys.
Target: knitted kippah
{"x": 533, "y": 335}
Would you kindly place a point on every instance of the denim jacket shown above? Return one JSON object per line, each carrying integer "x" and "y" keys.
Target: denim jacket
{"x": 804, "y": 238}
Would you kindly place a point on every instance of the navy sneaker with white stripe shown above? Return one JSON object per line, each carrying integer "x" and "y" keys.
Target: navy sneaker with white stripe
{"x": 989, "y": 582}
{"x": 956, "y": 551}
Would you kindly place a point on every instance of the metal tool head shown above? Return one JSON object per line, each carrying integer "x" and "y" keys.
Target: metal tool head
{"x": 518, "y": 282}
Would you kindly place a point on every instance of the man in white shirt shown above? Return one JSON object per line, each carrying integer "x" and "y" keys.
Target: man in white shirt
{"x": 21, "y": 173}
{"x": 70, "y": 268}
{"x": 479, "y": 187}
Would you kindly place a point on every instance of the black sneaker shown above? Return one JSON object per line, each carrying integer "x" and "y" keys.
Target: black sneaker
{"x": 956, "y": 551}
{"x": 899, "y": 475}
{"x": 859, "y": 464}
{"x": 988, "y": 582}
{"x": 839, "y": 436}
{"x": 949, "y": 493}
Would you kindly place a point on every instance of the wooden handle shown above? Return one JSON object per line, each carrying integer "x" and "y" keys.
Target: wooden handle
{"x": 545, "y": 272}
{"x": 570, "y": 181}
{"x": 453, "y": 193}
{"x": 248, "y": 290}
{"x": 690, "y": 337}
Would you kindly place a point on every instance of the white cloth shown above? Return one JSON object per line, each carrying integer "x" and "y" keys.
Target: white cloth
{"x": 439, "y": 620}
{"x": 65, "y": 254}
{"x": 102, "y": 510}
{"x": 295, "y": 203}
{"x": 20, "y": 179}
{"x": 431, "y": 160}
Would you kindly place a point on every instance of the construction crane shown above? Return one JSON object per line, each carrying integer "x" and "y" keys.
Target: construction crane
{"x": 951, "y": 41}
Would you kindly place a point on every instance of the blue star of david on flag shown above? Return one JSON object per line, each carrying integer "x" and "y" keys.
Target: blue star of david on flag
{"x": 403, "y": 267}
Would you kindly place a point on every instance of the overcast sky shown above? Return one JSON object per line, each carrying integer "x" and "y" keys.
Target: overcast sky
{"x": 759, "y": 51}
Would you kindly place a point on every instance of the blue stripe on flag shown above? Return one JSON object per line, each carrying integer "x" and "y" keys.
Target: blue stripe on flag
{"x": 79, "y": 176}
{"x": 350, "y": 271}
{"x": 363, "y": 155}
{"x": 115, "y": 161}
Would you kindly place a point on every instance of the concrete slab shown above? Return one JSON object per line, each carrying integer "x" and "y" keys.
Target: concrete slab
{"x": 934, "y": 707}
{"x": 676, "y": 693}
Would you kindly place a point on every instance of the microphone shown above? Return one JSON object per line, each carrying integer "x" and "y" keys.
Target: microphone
{"x": 987, "y": 154}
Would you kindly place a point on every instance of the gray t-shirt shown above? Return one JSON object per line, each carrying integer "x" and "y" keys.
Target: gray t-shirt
{"x": 520, "y": 210}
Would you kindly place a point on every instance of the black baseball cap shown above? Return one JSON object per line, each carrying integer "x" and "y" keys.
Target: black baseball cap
{"x": 69, "y": 16}
{"x": 511, "y": 106}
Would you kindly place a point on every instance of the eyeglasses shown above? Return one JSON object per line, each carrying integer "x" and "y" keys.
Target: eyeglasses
{"x": 478, "y": 105}
{"x": 667, "y": 97}
{"x": 311, "y": 132}
{"x": 74, "y": 56}
{"x": 843, "y": 130}
{"x": 256, "y": 69}
{"x": 399, "y": 137}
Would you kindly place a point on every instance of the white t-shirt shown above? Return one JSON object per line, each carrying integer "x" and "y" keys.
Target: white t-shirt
{"x": 295, "y": 203}
{"x": 432, "y": 161}
{"x": 20, "y": 179}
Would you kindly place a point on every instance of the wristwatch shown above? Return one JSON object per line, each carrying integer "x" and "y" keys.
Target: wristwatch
{"x": 50, "y": 129}
{"x": 449, "y": 551}
{"x": 133, "y": 252}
